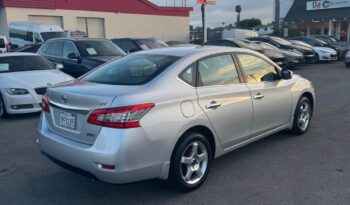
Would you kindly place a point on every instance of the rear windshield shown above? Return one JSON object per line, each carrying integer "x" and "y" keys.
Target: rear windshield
{"x": 98, "y": 48}
{"x": 24, "y": 63}
{"x": 50, "y": 35}
{"x": 150, "y": 44}
{"x": 247, "y": 44}
{"x": 281, "y": 41}
{"x": 2, "y": 43}
{"x": 131, "y": 70}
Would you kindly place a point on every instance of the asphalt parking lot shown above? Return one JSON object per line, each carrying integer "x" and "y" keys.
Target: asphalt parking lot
{"x": 281, "y": 169}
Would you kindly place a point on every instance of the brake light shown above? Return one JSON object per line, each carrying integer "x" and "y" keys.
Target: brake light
{"x": 45, "y": 104}
{"x": 120, "y": 117}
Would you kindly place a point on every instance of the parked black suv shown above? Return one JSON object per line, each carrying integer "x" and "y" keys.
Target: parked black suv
{"x": 285, "y": 44}
{"x": 78, "y": 56}
{"x": 130, "y": 45}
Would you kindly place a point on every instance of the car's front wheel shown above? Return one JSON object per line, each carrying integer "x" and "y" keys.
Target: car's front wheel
{"x": 190, "y": 162}
{"x": 302, "y": 116}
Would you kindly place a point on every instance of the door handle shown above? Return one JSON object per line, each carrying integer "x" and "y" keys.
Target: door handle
{"x": 258, "y": 96}
{"x": 213, "y": 105}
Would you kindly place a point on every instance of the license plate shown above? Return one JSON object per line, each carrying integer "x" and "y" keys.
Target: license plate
{"x": 68, "y": 120}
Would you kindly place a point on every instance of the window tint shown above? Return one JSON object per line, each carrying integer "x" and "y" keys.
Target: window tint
{"x": 23, "y": 35}
{"x": 256, "y": 69}
{"x": 88, "y": 48}
{"x": 57, "y": 48}
{"x": 131, "y": 70}
{"x": 150, "y": 43}
{"x": 2, "y": 43}
{"x": 127, "y": 45}
{"x": 189, "y": 75}
{"x": 47, "y": 50}
{"x": 24, "y": 63}
{"x": 218, "y": 70}
{"x": 69, "y": 48}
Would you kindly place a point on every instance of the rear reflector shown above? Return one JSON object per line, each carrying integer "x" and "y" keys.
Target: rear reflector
{"x": 120, "y": 117}
{"x": 45, "y": 104}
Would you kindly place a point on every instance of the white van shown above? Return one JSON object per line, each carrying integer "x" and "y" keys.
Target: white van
{"x": 26, "y": 33}
{"x": 238, "y": 33}
{"x": 3, "y": 44}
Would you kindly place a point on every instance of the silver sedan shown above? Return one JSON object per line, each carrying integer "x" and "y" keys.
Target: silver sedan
{"x": 168, "y": 113}
{"x": 24, "y": 78}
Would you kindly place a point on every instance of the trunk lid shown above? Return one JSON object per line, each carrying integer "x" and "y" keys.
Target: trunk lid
{"x": 71, "y": 104}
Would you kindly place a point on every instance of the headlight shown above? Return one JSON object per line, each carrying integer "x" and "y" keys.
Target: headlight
{"x": 17, "y": 91}
{"x": 324, "y": 52}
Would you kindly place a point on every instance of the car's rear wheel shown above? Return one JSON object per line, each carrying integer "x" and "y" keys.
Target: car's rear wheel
{"x": 3, "y": 112}
{"x": 190, "y": 162}
{"x": 302, "y": 116}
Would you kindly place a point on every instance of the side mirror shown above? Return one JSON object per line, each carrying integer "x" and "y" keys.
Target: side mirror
{"x": 73, "y": 56}
{"x": 286, "y": 74}
{"x": 59, "y": 66}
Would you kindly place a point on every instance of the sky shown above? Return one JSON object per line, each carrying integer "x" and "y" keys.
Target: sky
{"x": 224, "y": 11}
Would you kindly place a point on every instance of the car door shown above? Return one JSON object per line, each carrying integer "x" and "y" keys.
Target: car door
{"x": 72, "y": 63}
{"x": 272, "y": 96}
{"x": 53, "y": 51}
{"x": 224, "y": 98}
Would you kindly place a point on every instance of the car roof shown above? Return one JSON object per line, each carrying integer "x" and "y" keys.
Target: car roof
{"x": 14, "y": 54}
{"x": 78, "y": 39}
{"x": 189, "y": 50}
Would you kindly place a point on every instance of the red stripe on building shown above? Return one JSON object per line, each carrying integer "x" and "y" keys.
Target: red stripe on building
{"x": 117, "y": 6}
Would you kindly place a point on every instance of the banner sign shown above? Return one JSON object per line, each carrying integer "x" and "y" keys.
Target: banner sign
{"x": 326, "y": 4}
{"x": 210, "y": 2}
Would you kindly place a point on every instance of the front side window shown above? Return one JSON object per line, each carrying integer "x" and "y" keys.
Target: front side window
{"x": 69, "y": 49}
{"x": 131, "y": 70}
{"x": 217, "y": 70}
{"x": 24, "y": 63}
{"x": 256, "y": 69}
{"x": 57, "y": 49}
{"x": 2, "y": 43}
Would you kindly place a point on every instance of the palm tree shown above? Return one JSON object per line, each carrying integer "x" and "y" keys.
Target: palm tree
{"x": 238, "y": 10}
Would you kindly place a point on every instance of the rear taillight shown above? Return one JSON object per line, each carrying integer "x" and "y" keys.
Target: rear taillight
{"x": 120, "y": 117}
{"x": 45, "y": 104}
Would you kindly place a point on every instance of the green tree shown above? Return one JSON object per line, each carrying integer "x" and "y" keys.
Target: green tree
{"x": 249, "y": 23}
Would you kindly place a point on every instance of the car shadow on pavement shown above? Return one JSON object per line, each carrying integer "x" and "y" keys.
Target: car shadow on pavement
{"x": 21, "y": 117}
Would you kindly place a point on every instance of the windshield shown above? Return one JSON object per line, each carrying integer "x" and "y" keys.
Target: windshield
{"x": 247, "y": 44}
{"x": 267, "y": 46}
{"x": 93, "y": 48}
{"x": 24, "y": 63}
{"x": 150, "y": 44}
{"x": 131, "y": 70}
{"x": 281, "y": 41}
{"x": 50, "y": 35}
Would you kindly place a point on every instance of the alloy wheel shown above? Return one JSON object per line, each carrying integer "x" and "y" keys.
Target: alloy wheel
{"x": 304, "y": 115}
{"x": 194, "y": 162}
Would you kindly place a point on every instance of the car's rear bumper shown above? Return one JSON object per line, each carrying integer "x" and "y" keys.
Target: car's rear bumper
{"x": 20, "y": 104}
{"x": 120, "y": 148}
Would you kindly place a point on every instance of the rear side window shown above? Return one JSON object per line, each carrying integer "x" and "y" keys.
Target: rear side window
{"x": 131, "y": 70}
{"x": 189, "y": 75}
{"x": 57, "y": 49}
{"x": 217, "y": 70}
{"x": 24, "y": 63}
{"x": 68, "y": 49}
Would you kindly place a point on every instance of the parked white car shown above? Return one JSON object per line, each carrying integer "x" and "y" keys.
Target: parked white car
{"x": 322, "y": 53}
{"x": 24, "y": 78}
{"x": 26, "y": 33}
{"x": 3, "y": 44}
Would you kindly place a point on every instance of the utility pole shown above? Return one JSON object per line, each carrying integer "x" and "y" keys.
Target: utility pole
{"x": 204, "y": 20}
{"x": 277, "y": 16}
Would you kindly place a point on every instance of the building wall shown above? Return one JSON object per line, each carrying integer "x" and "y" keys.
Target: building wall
{"x": 116, "y": 24}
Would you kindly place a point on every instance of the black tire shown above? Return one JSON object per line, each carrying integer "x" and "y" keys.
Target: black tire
{"x": 177, "y": 167}
{"x": 3, "y": 112}
{"x": 347, "y": 65}
{"x": 298, "y": 126}
{"x": 317, "y": 58}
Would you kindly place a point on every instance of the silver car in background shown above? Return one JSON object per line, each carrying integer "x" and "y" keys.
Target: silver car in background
{"x": 24, "y": 78}
{"x": 168, "y": 113}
